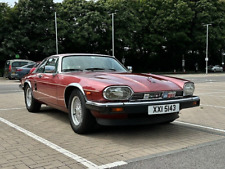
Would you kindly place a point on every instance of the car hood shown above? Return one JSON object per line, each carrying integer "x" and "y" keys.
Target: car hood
{"x": 138, "y": 82}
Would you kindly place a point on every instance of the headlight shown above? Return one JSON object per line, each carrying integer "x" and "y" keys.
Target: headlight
{"x": 117, "y": 93}
{"x": 189, "y": 89}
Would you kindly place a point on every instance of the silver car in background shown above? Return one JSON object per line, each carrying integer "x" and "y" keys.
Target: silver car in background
{"x": 217, "y": 68}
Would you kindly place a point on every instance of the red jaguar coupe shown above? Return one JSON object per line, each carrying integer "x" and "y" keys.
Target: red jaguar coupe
{"x": 94, "y": 88}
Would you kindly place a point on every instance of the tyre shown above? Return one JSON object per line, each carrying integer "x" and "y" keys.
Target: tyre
{"x": 81, "y": 119}
{"x": 32, "y": 104}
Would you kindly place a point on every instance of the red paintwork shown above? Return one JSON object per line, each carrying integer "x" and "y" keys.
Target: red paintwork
{"x": 51, "y": 88}
{"x": 31, "y": 70}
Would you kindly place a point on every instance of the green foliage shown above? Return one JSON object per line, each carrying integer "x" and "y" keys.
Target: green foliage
{"x": 30, "y": 30}
{"x": 82, "y": 27}
{"x": 4, "y": 17}
{"x": 152, "y": 35}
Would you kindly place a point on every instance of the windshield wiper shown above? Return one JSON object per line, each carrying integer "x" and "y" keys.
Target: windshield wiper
{"x": 112, "y": 69}
{"x": 71, "y": 70}
{"x": 94, "y": 68}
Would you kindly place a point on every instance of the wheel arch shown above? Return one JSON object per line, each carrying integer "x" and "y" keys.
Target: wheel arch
{"x": 69, "y": 89}
{"x": 27, "y": 82}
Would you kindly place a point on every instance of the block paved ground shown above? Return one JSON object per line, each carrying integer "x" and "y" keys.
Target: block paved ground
{"x": 108, "y": 144}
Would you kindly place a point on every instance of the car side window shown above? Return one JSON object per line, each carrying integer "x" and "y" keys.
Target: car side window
{"x": 41, "y": 68}
{"x": 51, "y": 65}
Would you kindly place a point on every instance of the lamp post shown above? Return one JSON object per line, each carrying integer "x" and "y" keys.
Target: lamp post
{"x": 207, "y": 46}
{"x": 183, "y": 64}
{"x": 56, "y": 34}
{"x": 223, "y": 54}
{"x": 113, "y": 47}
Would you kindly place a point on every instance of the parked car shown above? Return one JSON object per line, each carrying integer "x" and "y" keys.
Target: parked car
{"x": 216, "y": 68}
{"x": 95, "y": 88}
{"x": 10, "y": 67}
{"x": 24, "y": 70}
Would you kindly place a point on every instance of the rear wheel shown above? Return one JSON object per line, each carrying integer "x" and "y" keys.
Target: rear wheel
{"x": 32, "y": 104}
{"x": 81, "y": 120}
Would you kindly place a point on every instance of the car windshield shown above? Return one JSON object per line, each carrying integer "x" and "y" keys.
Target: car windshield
{"x": 91, "y": 63}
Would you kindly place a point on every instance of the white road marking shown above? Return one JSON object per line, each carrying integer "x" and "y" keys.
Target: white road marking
{"x": 65, "y": 152}
{"x": 216, "y": 96}
{"x": 8, "y": 91}
{"x": 209, "y": 93}
{"x": 221, "y": 90}
{"x": 7, "y": 109}
{"x": 12, "y": 83}
{"x": 50, "y": 144}
{"x": 200, "y": 126}
{"x": 212, "y": 106}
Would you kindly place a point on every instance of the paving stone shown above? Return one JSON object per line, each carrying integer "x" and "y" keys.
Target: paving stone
{"x": 107, "y": 145}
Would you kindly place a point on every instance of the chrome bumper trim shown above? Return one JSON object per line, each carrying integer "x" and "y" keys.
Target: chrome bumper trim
{"x": 156, "y": 102}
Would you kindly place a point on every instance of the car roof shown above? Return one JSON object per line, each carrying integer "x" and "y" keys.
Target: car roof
{"x": 20, "y": 60}
{"x": 82, "y": 54}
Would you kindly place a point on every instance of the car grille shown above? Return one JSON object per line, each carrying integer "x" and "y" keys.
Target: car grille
{"x": 155, "y": 95}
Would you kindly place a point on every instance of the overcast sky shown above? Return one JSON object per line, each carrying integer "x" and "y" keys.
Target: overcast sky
{"x": 12, "y": 2}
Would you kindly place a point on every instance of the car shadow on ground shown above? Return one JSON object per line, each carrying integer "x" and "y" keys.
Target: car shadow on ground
{"x": 54, "y": 113}
{"x": 116, "y": 137}
{"x": 102, "y": 131}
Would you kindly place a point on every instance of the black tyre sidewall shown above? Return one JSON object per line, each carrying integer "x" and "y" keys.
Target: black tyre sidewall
{"x": 35, "y": 105}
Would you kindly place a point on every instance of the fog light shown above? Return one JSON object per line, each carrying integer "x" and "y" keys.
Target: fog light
{"x": 195, "y": 103}
{"x": 88, "y": 93}
{"x": 117, "y": 109}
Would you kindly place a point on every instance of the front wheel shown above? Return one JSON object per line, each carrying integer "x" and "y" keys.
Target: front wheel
{"x": 81, "y": 120}
{"x": 32, "y": 104}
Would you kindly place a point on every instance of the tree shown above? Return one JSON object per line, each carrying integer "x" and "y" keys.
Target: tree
{"x": 4, "y": 31}
{"x": 82, "y": 26}
{"x": 127, "y": 25}
{"x": 32, "y": 34}
{"x": 4, "y": 27}
{"x": 151, "y": 35}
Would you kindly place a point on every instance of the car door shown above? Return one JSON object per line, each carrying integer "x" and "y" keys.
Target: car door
{"x": 46, "y": 81}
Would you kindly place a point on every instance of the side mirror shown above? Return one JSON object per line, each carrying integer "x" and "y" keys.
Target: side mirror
{"x": 50, "y": 69}
{"x": 130, "y": 69}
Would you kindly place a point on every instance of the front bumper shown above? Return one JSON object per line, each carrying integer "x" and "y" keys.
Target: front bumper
{"x": 141, "y": 106}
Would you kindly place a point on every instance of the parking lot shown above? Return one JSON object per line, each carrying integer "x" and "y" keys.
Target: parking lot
{"x": 46, "y": 140}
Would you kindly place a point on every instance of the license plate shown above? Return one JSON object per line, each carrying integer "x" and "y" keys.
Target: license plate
{"x": 163, "y": 109}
